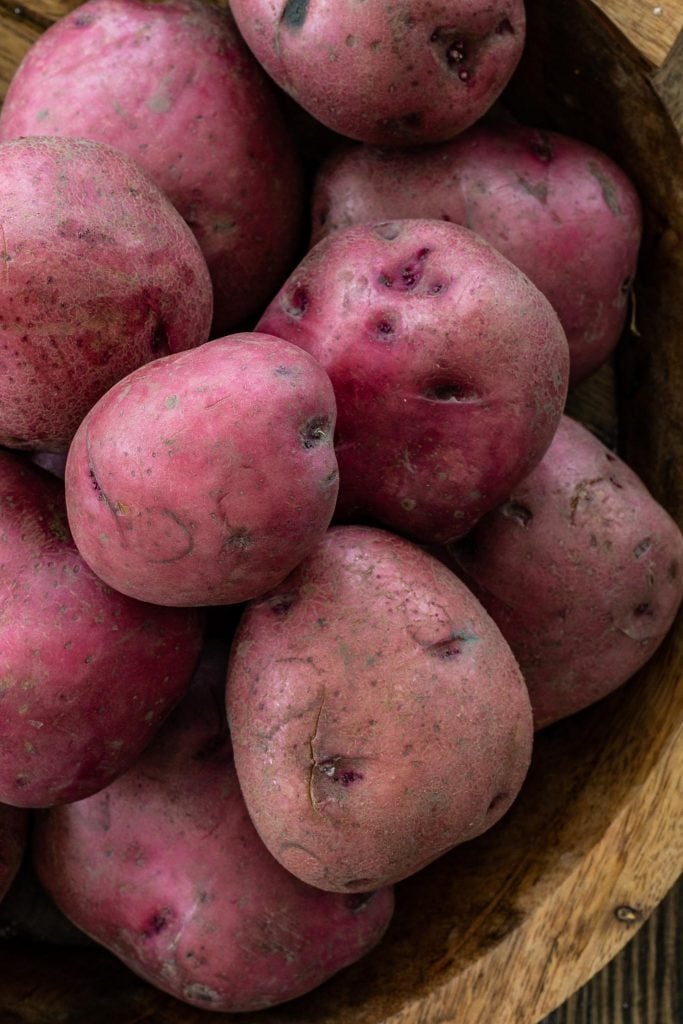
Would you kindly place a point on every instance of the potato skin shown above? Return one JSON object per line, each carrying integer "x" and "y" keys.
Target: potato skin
{"x": 86, "y": 674}
{"x": 581, "y": 569}
{"x": 166, "y": 870}
{"x": 449, "y": 368}
{"x": 173, "y": 86}
{"x": 205, "y": 477}
{"x": 100, "y": 274}
{"x": 391, "y": 73}
{"x": 13, "y": 832}
{"x": 377, "y": 715}
{"x": 558, "y": 209}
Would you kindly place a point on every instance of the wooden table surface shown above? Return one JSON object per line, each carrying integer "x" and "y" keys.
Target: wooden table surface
{"x": 644, "y": 983}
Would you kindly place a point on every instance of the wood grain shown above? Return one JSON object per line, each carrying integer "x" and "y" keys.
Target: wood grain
{"x": 644, "y": 984}
{"x": 502, "y": 930}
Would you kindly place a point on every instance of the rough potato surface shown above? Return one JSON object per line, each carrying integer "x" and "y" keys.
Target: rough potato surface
{"x": 431, "y": 67}
{"x": 173, "y": 86}
{"x": 165, "y": 869}
{"x": 205, "y": 477}
{"x": 378, "y": 717}
{"x": 449, "y": 368}
{"x": 86, "y": 674}
{"x": 557, "y": 208}
{"x": 99, "y": 275}
{"x": 581, "y": 569}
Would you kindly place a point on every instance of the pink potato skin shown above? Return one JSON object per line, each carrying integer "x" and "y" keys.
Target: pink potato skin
{"x": 390, "y": 73}
{"x": 99, "y": 275}
{"x": 449, "y": 368}
{"x": 86, "y": 674}
{"x": 13, "y": 832}
{"x": 377, "y": 715}
{"x": 204, "y": 478}
{"x": 581, "y": 569}
{"x": 558, "y": 209}
{"x": 174, "y": 87}
{"x": 165, "y": 869}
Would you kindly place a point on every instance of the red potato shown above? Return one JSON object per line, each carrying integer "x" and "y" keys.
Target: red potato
{"x": 449, "y": 368}
{"x": 582, "y": 571}
{"x": 86, "y": 674}
{"x": 558, "y": 209}
{"x": 378, "y": 717}
{"x": 99, "y": 275}
{"x": 204, "y": 478}
{"x": 166, "y": 870}
{"x": 392, "y": 73}
{"x": 172, "y": 85}
{"x": 13, "y": 831}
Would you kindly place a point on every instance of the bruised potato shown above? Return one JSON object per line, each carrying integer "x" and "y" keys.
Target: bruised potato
{"x": 557, "y": 208}
{"x": 172, "y": 85}
{"x": 449, "y": 369}
{"x": 204, "y": 478}
{"x": 392, "y": 73}
{"x": 86, "y": 674}
{"x": 581, "y": 569}
{"x": 378, "y": 717}
{"x": 165, "y": 869}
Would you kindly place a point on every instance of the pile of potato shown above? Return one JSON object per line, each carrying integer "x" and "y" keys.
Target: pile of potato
{"x": 491, "y": 567}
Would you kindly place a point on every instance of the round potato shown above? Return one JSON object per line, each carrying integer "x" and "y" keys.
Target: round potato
{"x": 581, "y": 569}
{"x": 449, "y": 367}
{"x": 205, "y": 477}
{"x": 378, "y": 717}
{"x": 166, "y": 870}
{"x": 86, "y": 674}
{"x": 172, "y": 85}
{"x": 392, "y": 73}
{"x": 100, "y": 274}
{"x": 557, "y": 208}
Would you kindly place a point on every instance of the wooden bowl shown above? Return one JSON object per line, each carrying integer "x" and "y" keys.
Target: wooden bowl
{"x": 505, "y": 928}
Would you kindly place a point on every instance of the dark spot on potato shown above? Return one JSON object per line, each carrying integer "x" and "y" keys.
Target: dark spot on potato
{"x": 298, "y": 301}
{"x": 437, "y": 289}
{"x": 615, "y": 483}
{"x": 157, "y": 923}
{"x": 93, "y": 480}
{"x": 610, "y": 457}
{"x": 499, "y": 798}
{"x": 607, "y": 187}
{"x": 388, "y": 230}
{"x": 83, "y": 20}
{"x": 330, "y": 479}
{"x": 384, "y": 328}
{"x": 520, "y": 513}
{"x": 281, "y": 603}
{"x": 315, "y": 431}
{"x": 452, "y": 391}
{"x": 358, "y": 901}
{"x": 294, "y": 13}
{"x": 541, "y": 147}
{"x": 403, "y": 125}
{"x": 240, "y": 540}
{"x": 333, "y": 768}
{"x": 643, "y": 609}
{"x": 644, "y": 545}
